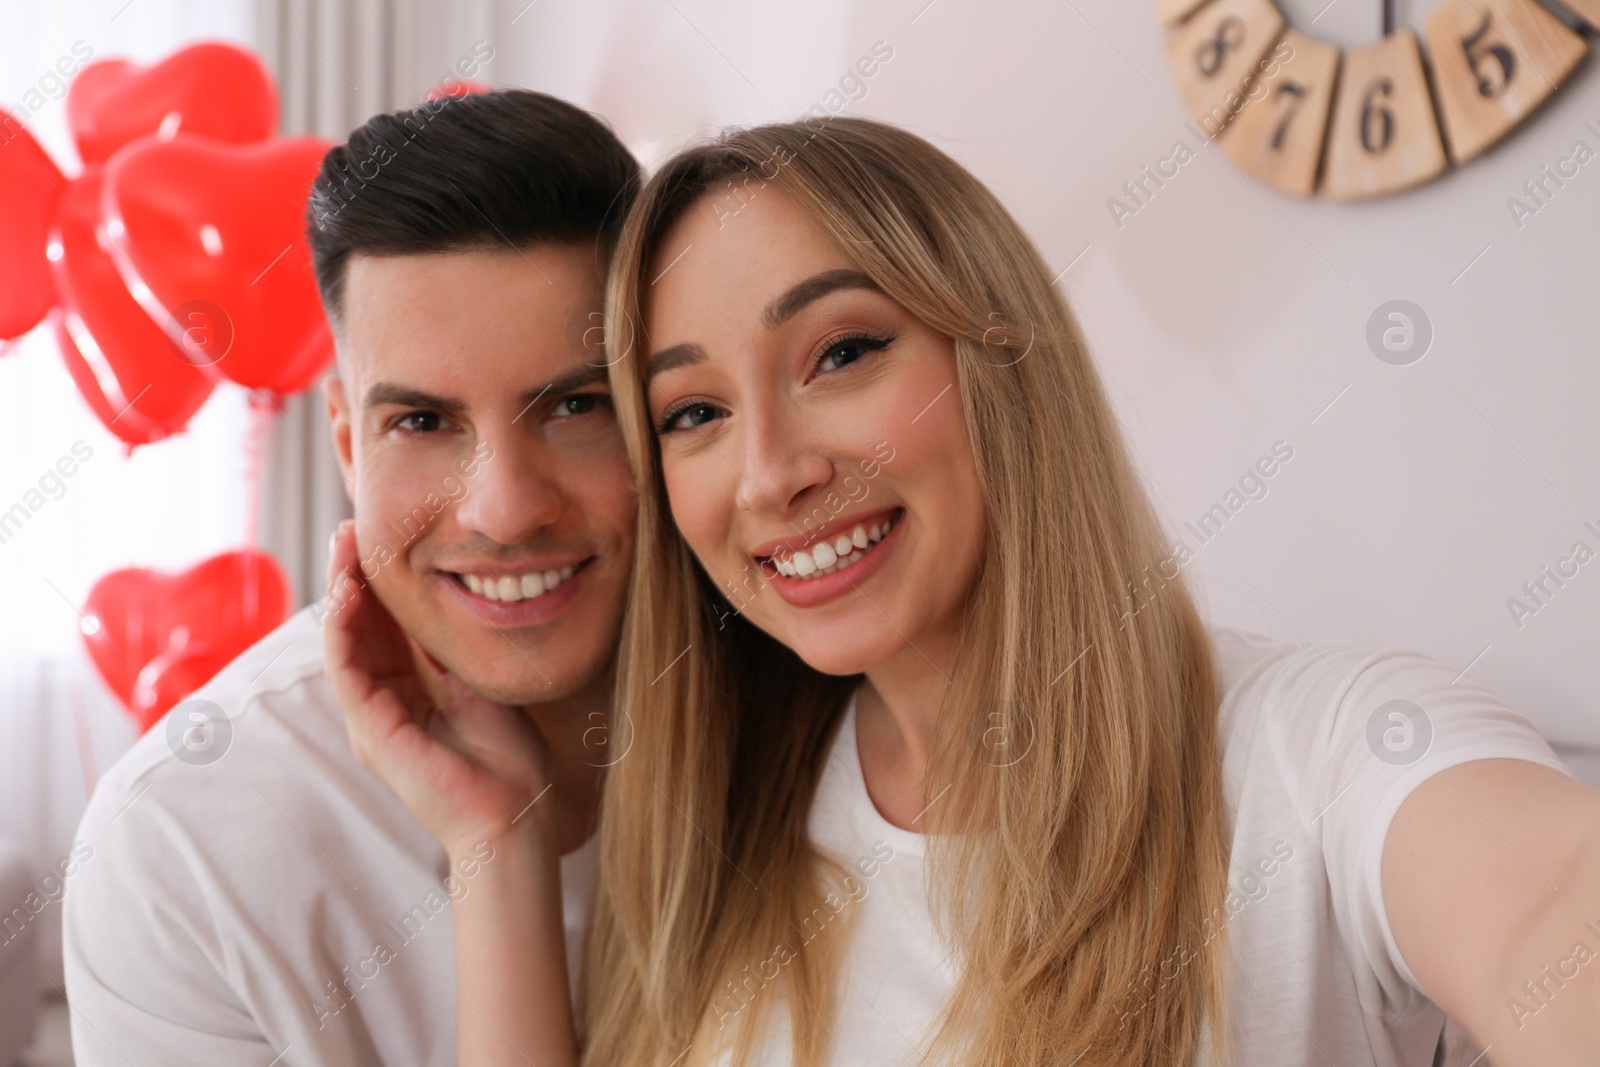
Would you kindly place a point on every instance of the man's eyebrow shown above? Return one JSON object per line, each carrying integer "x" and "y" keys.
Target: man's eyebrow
{"x": 389, "y": 393}
{"x": 813, "y": 288}
{"x": 684, "y": 355}
{"x": 585, "y": 376}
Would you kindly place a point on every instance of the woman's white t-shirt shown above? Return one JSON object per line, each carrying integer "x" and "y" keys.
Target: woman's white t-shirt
{"x": 1319, "y": 749}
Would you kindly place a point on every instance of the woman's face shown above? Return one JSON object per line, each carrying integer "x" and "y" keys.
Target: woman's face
{"x": 812, "y": 440}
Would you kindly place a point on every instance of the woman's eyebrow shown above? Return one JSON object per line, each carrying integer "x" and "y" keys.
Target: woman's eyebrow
{"x": 776, "y": 314}
{"x": 815, "y": 287}
{"x": 684, "y": 355}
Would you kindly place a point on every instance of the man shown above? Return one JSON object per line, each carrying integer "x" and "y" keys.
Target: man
{"x": 254, "y": 895}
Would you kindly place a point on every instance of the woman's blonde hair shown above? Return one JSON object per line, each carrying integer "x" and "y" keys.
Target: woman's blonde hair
{"x": 1086, "y": 890}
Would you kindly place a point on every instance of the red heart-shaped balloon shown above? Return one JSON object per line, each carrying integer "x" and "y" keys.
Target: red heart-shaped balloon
{"x": 120, "y": 418}
{"x": 210, "y": 90}
{"x": 30, "y": 188}
{"x": 140, "y": 625}
{"x": 454, "y": 86}
{"x": 214, "y": 245}
{"x": 171, "y": 676}
{"x": 134, "y": 379}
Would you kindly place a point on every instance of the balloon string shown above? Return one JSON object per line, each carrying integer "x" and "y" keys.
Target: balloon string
{"x": 85, "y": 739}
{"x": 262, "y": 410}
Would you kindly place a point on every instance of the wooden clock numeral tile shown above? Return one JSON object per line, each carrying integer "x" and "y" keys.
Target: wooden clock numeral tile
{"x": 1383, "y": 138}
{"x": 1171, "y": 11}
{"x": 1278, "y": 136}
{"x": 1214, "y": 53}
{"x": 1588, "y": 10}
{"x": 1264, "y": 91}
{"x": 1494, "y": 61}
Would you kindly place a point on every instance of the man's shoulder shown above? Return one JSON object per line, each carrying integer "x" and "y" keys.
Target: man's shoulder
{"x": 238, "y": 871}
{"x": 269, "y": 712}
{"x": 255, "y": 804}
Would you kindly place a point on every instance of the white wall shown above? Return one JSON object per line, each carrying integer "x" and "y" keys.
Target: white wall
{"x": 1224, "y": 316}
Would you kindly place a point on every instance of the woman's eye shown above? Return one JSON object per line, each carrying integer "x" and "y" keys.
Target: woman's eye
{"x": 419, "y": 421}
{"x": 847, "y": 350}
{"x": 689, "y": 416}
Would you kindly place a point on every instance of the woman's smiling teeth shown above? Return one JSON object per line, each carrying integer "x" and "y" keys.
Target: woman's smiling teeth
{"x": 825, "y": 557}
{"x": 511, "y": 587}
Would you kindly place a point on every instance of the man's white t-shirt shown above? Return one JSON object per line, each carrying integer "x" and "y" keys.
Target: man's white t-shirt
{"x": 276, "y": 906}
{"x": 1316, "y": 760}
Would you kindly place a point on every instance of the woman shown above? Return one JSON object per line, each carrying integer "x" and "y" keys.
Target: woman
{"x": 906, "y": 365}
{"x": 930, "y": 756}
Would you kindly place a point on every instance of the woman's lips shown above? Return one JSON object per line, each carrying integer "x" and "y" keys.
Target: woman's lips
{"x": 828, "y": 582}
{"x": 839, "y": 551}
{"x": 784, "y": 547}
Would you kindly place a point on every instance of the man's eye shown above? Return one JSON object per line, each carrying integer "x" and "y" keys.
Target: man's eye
{"x": 579, "y": 404}
{"x": 419, "y": 421}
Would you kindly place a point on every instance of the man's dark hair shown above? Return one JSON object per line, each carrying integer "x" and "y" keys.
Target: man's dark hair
{"x": 509, "y": 167}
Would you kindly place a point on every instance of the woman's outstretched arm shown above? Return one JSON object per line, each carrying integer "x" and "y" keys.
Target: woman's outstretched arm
{"x": 474, "y": 773}
{"x": 1491, "y": 878}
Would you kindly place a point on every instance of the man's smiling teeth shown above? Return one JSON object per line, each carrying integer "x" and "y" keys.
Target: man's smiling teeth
{"x": 843, "y": 551}
{"x": 510, "y": 587}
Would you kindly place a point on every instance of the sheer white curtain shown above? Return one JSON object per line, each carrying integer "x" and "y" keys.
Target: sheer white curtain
{"x": 176, "y": 502}
{"x": 338, "y": 62}
{"x": 168, "y": 505}
{"x": 332, "y": 63}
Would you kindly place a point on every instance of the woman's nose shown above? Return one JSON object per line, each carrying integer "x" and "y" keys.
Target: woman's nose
{"x": 779, "y": 465}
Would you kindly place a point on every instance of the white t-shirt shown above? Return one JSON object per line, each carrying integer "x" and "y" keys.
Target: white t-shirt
{"x": 1317, "y": 976}
{"x": 279, "y": 905}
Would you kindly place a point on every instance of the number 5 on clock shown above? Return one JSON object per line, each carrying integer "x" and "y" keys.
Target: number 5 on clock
{"x": 1494, "y": 61}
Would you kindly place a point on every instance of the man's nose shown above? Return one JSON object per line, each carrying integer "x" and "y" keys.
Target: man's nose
{"x": 513, "y": 495}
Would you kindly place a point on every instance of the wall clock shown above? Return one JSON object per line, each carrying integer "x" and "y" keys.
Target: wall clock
{"x": 1307, "y": 117}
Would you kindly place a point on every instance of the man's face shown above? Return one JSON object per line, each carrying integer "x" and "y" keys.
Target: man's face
{"x": 493, "y": 502}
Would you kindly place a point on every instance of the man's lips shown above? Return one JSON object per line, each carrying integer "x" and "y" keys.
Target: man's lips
{"x": 497, "y": 569}
{"x": 510, "y": 583}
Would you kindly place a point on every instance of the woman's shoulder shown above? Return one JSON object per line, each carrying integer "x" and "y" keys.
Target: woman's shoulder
{"x": 1338, "y": 712}
{"x": 1334, "y": 711}
{"x": 1261, "y": 674}
{"x": 1257, "y": 673}
{"x": 1322, "y": 742}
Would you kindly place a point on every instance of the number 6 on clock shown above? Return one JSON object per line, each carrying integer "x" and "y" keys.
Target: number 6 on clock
{"x": 1383, "y": 138}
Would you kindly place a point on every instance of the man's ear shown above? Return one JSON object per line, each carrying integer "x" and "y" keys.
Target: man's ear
{"x": 340, "y": 420}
